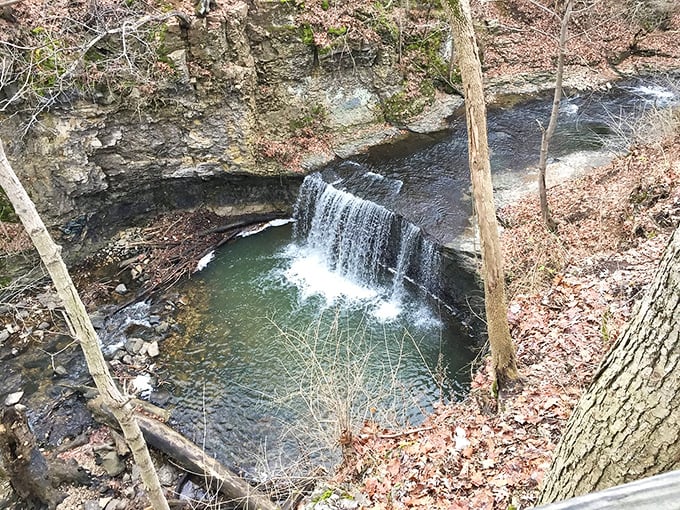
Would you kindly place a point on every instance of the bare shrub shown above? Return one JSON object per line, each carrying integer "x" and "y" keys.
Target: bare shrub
{"x": 338, "y": 390}
{"x": 653, "y": 14}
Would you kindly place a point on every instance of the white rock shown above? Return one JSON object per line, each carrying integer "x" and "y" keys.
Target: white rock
{"x": 13, "y": 398}
{"x": 152, "y": 349}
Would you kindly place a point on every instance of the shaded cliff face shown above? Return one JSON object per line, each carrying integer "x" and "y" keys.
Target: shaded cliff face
{"x": 218, "y": 134}
{"x": 242, "y": 78}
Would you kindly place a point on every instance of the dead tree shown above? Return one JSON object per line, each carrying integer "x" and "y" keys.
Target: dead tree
{"x": 502, "y": 349}
{"x": 50, "y": 254}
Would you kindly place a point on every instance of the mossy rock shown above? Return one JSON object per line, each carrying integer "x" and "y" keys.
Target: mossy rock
{"x": 402, "y": 107}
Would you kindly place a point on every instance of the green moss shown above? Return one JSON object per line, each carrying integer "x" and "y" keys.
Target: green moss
{"x": 6, "y": 211}
{"x": 337, "y": 31}
{"x": 385, "y": 25}
{"x": 325, "y": 5}
{"x": 158, "y": 37}
{"x": 401, "y": 107}
{"x": 324, "y": 496}
{"x": 314, "y": 117}
{"x": 425, "y": 54}
{"x": 307, "y": 34}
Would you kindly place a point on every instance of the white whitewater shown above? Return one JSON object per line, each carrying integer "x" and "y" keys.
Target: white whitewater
{"x": 355, "y": 251}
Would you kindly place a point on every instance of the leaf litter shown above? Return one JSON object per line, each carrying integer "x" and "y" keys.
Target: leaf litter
{"x": 581, "y": 288}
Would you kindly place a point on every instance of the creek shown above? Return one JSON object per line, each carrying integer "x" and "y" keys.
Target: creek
{"x": 296, "y": 333}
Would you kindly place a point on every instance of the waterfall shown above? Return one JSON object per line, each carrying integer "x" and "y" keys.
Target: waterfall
{"x": 362, "y": 241}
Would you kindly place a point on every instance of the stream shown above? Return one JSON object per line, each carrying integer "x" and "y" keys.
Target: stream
{"x": 298, "y": 332}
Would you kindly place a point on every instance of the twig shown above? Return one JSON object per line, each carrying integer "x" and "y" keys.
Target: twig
{"x": 404, "y": 433}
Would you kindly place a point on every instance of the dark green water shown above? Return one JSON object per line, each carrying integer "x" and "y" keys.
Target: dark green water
{"x": 287, "y": 344}
{"x": 270, "y": 365}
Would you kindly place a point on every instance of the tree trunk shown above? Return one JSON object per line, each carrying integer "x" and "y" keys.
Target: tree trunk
{"x": 85, "y": 334}
{"x": 552, "y": 123}
{"x": 502, "y": 348}
{"x": 627, "y": 425}
{"x": 192, "y": 458}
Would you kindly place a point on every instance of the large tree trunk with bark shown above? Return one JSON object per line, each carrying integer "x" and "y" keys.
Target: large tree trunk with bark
{"x": 85, "y": 334}
{"x": 495, "y": 303}
{"x": 627, "y": 425}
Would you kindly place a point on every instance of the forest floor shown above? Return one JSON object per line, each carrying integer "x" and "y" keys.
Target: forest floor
{"x": 571, "y": 296}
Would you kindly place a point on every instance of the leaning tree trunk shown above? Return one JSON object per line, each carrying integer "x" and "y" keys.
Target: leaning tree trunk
{"x": 627, "y": 425}
{"x": 502, "y": 348}
{"x": 552, "y": 123}
{"x": 85, "y": 334}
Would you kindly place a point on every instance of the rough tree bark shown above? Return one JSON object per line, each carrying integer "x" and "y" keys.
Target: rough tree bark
{"x": 495, "y": 303}
{"x": 552, "y": 123}
{"x": 85, "y": 334}
{"x": 627, "y": 425}
{"x": 26, "y": 466}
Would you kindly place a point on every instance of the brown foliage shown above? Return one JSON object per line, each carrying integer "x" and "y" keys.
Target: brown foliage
{"x": 484, "y": 453}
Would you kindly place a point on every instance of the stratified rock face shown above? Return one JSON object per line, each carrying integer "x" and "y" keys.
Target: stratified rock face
{"x": 245, "y": 78}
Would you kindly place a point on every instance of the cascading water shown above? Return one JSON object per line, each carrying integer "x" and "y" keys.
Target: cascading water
{"x": 360, "y": 242}
{"x": 282, "y": 333}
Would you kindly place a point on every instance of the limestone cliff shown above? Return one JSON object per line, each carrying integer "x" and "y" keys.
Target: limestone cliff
{"x": 166, "y": 106}
{"x": 251, "y": 103}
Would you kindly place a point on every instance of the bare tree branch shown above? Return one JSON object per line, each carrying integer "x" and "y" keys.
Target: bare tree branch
{"x": 40, "y": 74}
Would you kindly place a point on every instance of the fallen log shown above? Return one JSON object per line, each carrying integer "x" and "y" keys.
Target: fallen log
{"x": 244, "y": 221}
{"x": 194, "y": 459}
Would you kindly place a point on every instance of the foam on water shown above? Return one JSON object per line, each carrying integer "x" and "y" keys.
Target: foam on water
{"x": 387, "y": 311}
{"x": 265, "y": 226}
{"x": 657, "y": 94}
{"x": 205, "y": 260}
{"x": 309, "y": 272}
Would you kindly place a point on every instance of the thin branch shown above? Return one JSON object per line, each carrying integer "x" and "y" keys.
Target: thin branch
{"x": 544, "y": 8}
{"x": 125, "y": 28}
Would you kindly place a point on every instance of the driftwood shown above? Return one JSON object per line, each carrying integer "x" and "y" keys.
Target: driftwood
{"x": 660, "y": 492}
{"x": 243, "y": 222}
{"x": 32, "y": 476}
{"x": 192, "y": 458}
